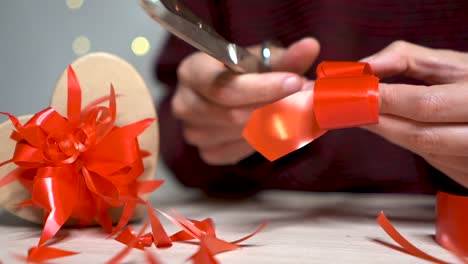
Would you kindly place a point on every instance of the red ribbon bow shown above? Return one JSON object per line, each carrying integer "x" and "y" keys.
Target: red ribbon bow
{"x": 79, "y": 166}
{"x": 345, "y": 95}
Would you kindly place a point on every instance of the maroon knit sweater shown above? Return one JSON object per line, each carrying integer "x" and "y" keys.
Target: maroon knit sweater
{"x": 351, "y": 160}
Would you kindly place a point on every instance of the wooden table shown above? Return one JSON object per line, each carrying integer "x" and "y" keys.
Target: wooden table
{"x": 303, "y": 228}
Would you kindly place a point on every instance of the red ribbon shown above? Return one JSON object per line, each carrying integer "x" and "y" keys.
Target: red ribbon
{"x": 203, "y": 231}
{"x": 452, "y": 222}
{"x": 43, "y": 253}
{"x": 451, "y": 229}
{"x": 345, "y": 95}
{"x": 79, "y": 166}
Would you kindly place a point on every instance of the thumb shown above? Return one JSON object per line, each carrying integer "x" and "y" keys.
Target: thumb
{"x": 297, "y": 58}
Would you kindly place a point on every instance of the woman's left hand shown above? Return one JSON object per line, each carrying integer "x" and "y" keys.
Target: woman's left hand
{"x": 432, "y": 120}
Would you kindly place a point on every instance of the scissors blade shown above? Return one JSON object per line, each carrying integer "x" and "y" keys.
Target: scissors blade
{"x": 181, "y": 22}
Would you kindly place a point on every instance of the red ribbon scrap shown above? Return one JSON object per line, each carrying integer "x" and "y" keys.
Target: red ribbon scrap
{"x": 79, "y": 166}
{"x": 345, "y": 95}
{"x": 451, "y": 229}
{"x": 204, "y": 231}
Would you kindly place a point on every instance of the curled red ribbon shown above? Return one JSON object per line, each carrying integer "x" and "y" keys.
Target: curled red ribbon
{"x": 451, "y": 229}
{"x": 79, "y": 166}
{"x": 345, "y": 95}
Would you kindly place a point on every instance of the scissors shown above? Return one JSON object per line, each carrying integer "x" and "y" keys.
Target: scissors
{"x": 181, "y": 22}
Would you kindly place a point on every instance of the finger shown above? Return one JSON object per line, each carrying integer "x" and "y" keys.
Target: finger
{"x": 438, "y": 103}
{"x": 227, "y": 154}
{"x": 297, "y": 58}
{"x": 460, "y": 176}
{"x": 212, "y": 81}
{"x": 459, "y": 163}
{"x": 200, "y": 69}
{"x": 210, "y": 136}
{"x": 430, "y": 65}
{"x": 194, "y": 109}
{"x": 251, "y": 89}
{"x": 423, "y": 138}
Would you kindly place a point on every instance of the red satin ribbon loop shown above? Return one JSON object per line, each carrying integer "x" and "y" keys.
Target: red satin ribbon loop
{"x": 342, "y": 69}
{"x": 345, "y": 95}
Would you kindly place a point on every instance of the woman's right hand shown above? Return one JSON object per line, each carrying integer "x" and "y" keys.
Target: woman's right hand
{"x": 214, "y": 104}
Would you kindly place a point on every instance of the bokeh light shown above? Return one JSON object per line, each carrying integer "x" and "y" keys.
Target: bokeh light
{"x": 140, "y": 46}
{"x": 81, "y": 45}
{"x": 74, "y": 4}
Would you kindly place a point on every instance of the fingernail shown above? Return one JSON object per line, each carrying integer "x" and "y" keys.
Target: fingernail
{"x": 308, "y": 86}
{"x": 292, "y": 84}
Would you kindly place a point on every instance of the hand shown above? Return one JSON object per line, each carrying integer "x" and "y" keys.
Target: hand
{"x": 214, "y": 104}
{"x": 431, "y": 121}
